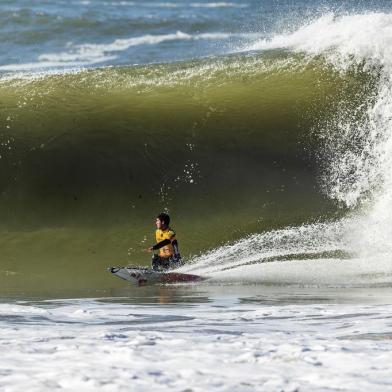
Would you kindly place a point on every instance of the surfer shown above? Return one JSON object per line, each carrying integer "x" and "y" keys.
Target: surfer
{"x": 169, "y": 255}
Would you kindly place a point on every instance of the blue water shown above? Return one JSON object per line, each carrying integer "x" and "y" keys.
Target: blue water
{"x": 60, "y": 34}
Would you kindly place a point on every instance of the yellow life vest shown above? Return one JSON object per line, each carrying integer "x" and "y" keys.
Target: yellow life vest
{"x": 168, "y": 234}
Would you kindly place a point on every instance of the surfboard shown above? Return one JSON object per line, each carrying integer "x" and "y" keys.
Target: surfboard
{"x": 140, "y": 276}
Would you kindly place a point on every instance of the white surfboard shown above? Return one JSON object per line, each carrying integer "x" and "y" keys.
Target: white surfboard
{"x": 141, "y": 276}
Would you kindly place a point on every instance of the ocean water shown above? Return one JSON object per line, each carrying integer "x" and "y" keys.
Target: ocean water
{"x": 197, "y": 338}
{"x": 262, "y": 127}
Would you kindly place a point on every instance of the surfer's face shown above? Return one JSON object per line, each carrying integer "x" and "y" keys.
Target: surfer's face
{"x": 159, "y": 223}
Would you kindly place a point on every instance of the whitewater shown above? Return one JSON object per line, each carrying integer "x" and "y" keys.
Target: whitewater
{"x": 303, "y": 307}
{"x": 358, "y": 172}
{"x": 242, "y": 342}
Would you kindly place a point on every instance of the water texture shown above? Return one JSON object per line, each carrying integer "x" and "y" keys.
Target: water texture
{"x": 245, "y": 342}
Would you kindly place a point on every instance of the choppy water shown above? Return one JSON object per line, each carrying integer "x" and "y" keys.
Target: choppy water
{"x": 195, "y": 338}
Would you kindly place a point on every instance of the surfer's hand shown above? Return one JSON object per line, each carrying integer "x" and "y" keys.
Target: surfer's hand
{"x": 149, "y": 250}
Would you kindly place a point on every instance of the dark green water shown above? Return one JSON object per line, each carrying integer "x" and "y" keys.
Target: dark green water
{"x": 229, "y": 146}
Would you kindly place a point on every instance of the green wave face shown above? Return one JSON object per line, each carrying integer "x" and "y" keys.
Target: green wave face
{"x": 228, "y": 146}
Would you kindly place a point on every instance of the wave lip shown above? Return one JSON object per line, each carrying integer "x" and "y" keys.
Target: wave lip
{"x": 361, "y": 170}
{"x": 351, "y": 37}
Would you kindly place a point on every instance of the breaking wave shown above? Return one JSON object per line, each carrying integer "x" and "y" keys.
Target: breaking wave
{"x": 357, "y": 171}
{"x": 289, "y": 139}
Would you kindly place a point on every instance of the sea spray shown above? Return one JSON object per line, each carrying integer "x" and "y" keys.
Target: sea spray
{"x": 356, "y": 156}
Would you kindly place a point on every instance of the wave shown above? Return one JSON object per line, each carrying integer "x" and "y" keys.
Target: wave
{"x": 250, "y": 143}
{"x": 357, "y": 168}
{"x": 360, "y": 146}
{"x": 114, "y": 121}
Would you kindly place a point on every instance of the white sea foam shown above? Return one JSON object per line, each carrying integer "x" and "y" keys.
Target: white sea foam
{"x": 316, "y": 254}
{"x": 220, "y": 345}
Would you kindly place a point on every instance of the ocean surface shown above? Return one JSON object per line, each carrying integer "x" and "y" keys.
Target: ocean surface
{"x": 262, "y": 127}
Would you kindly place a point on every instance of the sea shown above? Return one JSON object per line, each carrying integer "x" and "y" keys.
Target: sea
{"x": 263, "y": 127}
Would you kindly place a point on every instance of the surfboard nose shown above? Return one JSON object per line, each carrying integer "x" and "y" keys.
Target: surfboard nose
{"x": 112, "y": 270}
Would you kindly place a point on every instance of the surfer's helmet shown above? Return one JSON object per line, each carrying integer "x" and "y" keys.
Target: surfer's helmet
{"x": 165, "y": 218}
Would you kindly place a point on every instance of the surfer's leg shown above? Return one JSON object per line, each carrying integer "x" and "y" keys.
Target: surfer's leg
{"x": 175, "y": 262}
{"x": 155, "y": 262}
{"x": 158, "y": 262}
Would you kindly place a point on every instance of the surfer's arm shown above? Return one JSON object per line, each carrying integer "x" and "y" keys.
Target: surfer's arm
{"x": 159, "y": 245}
